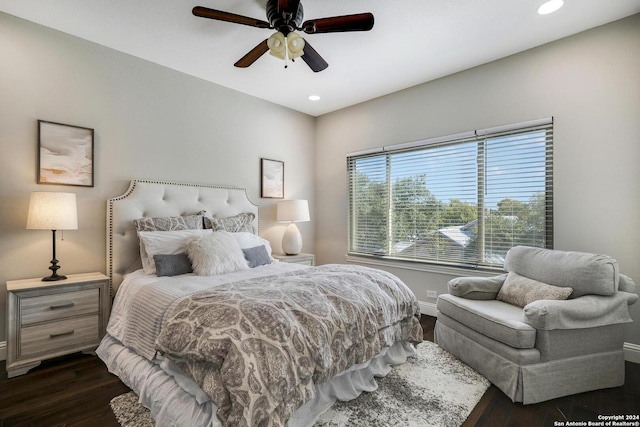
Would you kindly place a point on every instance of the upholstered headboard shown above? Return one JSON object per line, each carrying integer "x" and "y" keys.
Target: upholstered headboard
{"x": 160, "y": 199}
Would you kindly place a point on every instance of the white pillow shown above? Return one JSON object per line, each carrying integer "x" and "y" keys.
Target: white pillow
{"x": 163, "y": 243}
{"x": 250, "y": 240}
{"x": 215, "y": 253}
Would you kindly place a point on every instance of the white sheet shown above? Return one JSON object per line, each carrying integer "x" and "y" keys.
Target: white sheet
{"x": 174, "y": 399}
{"x": 174, "y": 404}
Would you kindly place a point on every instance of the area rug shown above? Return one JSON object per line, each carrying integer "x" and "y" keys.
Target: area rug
{"x": 433, "y": 388}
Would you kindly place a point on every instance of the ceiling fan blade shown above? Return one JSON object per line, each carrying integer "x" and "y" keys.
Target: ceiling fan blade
{"x": 357, "y": 22}
{"x": 253, "y": 55}
{"x": 205, "y": 12}
{"x": 313, "y": 58}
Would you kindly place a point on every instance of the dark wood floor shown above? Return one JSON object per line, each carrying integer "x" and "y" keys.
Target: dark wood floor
{"x": 70, "y": 391}
{"x": 76, "y": 390}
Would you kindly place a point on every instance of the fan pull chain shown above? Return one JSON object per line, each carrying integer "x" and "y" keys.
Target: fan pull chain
{"x": 286, "y": 53}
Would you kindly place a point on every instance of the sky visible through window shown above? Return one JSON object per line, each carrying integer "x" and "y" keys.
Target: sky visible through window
{"x": 510, "y": 171}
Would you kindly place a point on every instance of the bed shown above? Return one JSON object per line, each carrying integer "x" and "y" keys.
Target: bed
{"x": 217, "y": 337}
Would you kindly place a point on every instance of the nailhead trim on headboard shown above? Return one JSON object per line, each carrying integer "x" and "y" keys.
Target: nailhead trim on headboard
{"x": 141, "y": 199}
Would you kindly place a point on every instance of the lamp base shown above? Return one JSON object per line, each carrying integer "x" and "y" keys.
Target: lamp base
{"x": 54, "y": 276}
{"x": 292, "y": 240}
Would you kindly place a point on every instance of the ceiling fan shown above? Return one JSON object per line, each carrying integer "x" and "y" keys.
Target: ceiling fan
{"x": 286, "y": 16}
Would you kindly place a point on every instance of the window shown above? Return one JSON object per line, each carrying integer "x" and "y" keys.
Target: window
{"x": 459, "y": 200}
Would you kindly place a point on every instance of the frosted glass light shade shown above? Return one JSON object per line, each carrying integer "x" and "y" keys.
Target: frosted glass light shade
{"x": 52, "y": 211}
{"x": 281, "y": 46}
{"x": 295, "y": 43}
{"x": 277, "y": 45}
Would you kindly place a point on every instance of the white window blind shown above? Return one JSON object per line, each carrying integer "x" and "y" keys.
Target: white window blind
{"x": 464, "y": 200}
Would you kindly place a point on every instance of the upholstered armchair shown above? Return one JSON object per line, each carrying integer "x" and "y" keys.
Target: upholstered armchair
{"x": 552, "y": 326}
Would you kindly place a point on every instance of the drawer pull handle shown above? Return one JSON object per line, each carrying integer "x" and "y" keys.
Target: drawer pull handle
{"x": 62, "y": 334}
{"x": 63, "y": 305}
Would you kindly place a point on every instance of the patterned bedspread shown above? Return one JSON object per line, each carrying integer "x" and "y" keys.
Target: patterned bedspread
{"x": 257, "y": 347}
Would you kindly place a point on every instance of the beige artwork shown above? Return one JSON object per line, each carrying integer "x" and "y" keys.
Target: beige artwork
{"x": 66, "y": 155}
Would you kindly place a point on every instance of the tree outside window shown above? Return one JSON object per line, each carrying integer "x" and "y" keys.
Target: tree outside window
{"x": 464, "y": 202}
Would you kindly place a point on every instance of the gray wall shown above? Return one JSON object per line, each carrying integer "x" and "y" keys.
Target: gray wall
{"x": 590, "y": 84}
{"x": 150, "y": 123}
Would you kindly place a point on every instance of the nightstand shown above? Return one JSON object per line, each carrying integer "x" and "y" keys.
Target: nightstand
{"x": 51, "y": 319}
{"x": 306, "y": 259}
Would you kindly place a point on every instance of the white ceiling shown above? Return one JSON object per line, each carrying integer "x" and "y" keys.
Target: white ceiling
{"x": 412, "y": 41}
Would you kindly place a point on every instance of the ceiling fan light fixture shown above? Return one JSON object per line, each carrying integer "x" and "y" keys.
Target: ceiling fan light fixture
{"x": 295, "y": 44}
{"x": 277, "y": 45}
{"x": 286, "y": 17}
{"x": 550, "y": 7}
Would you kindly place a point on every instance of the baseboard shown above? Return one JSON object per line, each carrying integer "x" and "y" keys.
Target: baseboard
{"x": 631, "y": 352}
{"x": 428, "y": 308}
{"x": 3, "y": 350}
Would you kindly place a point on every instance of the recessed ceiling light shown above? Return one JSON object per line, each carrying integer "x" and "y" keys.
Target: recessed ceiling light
{"x": 314, "y": 98}
{"x": 550, "y": 7}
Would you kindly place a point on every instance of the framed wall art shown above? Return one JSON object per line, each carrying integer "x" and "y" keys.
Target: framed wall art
{"x": 272, "y": 179}
{"x": 65, "y": 154}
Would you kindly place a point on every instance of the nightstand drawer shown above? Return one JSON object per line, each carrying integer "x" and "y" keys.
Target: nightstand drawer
{"x": 50, "y": 319}
{"x": 57, "y": 306}
{"x": 50, "y": 337}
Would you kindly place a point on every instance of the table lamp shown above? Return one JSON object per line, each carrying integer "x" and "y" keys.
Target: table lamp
{"x": 52, "y": 211}
{"x": 292, "y": 211}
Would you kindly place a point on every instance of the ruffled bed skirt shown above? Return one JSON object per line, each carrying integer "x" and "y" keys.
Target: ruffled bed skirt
{"x": 175, "y": 400}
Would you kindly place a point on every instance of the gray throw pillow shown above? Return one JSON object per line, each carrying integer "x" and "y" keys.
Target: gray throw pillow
{"x": 519, "y": 291}
{"x": 172, "y": 265}
{"x": 257, "y": 256}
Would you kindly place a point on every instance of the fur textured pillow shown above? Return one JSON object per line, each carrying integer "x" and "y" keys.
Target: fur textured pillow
{"x": 520, "y": 291}
{"x": 215, "y": 253}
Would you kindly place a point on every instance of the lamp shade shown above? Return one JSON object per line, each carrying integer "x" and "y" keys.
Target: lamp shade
{"x": 293, "y": 211}
{"x": 52, "y": 211}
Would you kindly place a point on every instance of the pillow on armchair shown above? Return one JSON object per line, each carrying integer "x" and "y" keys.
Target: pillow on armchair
{"x": 519, "y": 291}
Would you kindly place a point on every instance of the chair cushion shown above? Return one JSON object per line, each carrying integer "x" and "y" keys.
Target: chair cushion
{"x": 495, "y": 319}
{"x": 585, "y": 273}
